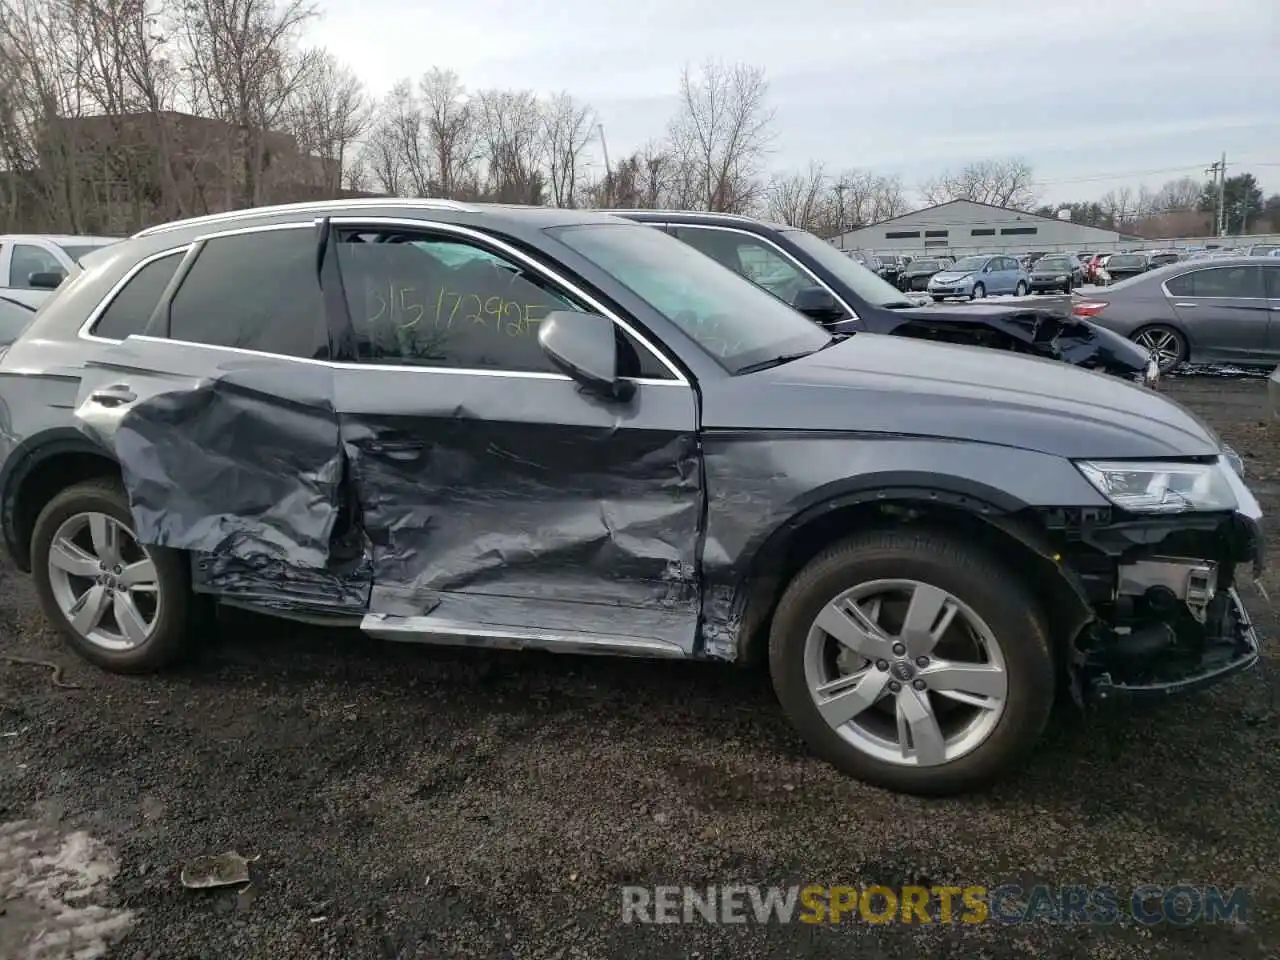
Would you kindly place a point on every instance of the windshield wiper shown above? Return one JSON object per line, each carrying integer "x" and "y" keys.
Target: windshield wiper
{"x": 899, "y": 305}
{"x": 779, "y": 360}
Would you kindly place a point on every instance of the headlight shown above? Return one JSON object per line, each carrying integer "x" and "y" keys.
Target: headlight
{"x": 1146, "y": 486}
{"x": 1060, "y": 279}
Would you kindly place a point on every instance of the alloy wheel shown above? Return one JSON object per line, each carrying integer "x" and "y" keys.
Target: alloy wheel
{"x": 906, "y": 672}
{"x": 1163, "y": 344}
{"x": 104, "y": 581}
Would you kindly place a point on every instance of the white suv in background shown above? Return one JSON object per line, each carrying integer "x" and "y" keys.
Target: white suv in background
{"x": 27, "y": 256}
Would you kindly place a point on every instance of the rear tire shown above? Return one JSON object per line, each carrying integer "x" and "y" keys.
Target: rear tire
{"x": 938, "y": 299}
{"x": 112, "y": 604}
{"x": 1169, "y": 345}
{"x": 1005, "y": 612}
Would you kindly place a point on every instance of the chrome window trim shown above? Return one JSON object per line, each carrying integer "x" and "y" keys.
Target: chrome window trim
{"x": 538, "y": 268}
{"x": 1164, "y": 284}
{"x": 185, "y": 248}
{"x": 818, "y": 281}
{"x": 317, "y": 206}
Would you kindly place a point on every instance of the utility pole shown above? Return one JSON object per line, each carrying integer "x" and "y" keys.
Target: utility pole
{"x": 840, "y": 210}
{"x": 1219, "y": 170}
{"x": 604, "y": 148}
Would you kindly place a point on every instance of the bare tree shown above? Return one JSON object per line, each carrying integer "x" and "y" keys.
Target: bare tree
{"x": 719, "y": 136}
{"x": 512, "y": 132}
{"x": 643, "y": 180}
{"x": 244, "y": 67}
{"x": 568, "y": 127}
{"x": 799, "y": 199}
{"x": 857, "y": 198}
{"x": 328, "y": 112}
{"x": 1001, "y": 183}
{"x": 1180, "y": 195}
{"x": 452, "y": 132}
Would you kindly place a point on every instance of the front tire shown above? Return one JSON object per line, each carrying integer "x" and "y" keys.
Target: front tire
{"x": 912, "y": 661}
{"x": 1020, "y": 290}
{"x": 979, "y": 291}
{"x": 121, "y": 606}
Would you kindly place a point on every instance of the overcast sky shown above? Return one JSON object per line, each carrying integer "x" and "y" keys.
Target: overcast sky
{"x": 1093, "y": 95}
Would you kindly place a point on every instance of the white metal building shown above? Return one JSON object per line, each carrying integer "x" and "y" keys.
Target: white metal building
{"x": 965, "y": 226}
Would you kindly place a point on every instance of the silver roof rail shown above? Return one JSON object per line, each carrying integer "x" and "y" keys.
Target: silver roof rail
{"x": 312, "y": 206}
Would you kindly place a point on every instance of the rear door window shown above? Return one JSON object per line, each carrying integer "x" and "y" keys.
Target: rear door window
{"x": 130, "y": 309}
{"x": 254, "y": 291}
{"x": 1245, "y": 281}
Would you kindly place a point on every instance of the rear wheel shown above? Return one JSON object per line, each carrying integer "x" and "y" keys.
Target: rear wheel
{"x": 913, "y": 661}
{"x": 938, "y": 299}
{"x": 1167, "y": 345}
{"x": 120, "y": 605}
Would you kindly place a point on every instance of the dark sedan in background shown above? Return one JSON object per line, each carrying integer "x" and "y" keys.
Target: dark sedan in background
{"x": 1122, "y": 266}
{"x": 1056, "y": 271}
{"x": 916, "y": 276}
{"x": 891, "y": 267}
{"x": 1198, "y": 311}
{"x": 830, "y": 288}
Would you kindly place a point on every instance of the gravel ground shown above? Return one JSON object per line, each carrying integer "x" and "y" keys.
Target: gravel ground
{"x": 417, "y": 802}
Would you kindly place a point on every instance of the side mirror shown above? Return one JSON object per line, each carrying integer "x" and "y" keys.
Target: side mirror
{"x": 817, "y": 303}
{"x": 585, "y": 347}
{"x": 46, "y": 281}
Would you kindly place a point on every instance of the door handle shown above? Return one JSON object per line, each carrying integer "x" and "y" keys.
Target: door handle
{"x": 1185, "y": 305}
{"x": 113, "y": 396}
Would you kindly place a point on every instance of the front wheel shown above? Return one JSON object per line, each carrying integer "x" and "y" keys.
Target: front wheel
{"x": 913, "y": 661}
{"x": 120, "y": 605}
{"x": 1020, "y": 290}
{"x": 979, "y": 291}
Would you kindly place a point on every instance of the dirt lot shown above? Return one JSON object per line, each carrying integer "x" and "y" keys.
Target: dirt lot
{"x": 413, "y": 802}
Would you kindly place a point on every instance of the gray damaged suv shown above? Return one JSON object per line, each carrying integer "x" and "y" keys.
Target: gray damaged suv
{"x": 555, "y": 429}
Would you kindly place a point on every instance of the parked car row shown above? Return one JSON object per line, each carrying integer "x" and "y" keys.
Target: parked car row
{"x": 573, "y": 431}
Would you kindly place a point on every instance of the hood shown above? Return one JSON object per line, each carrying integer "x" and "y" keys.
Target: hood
{"x": 1040, "y": 332}
{"x": 905, "y": 387}
{"x": 948, "y": 276}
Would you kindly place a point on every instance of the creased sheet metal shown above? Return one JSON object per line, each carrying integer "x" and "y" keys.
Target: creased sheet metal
{"x": 244, "y": 461}
{"x": 485, "y": 508}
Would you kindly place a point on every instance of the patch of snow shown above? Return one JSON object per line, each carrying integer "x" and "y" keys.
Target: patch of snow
{"x": 52, "y": 886}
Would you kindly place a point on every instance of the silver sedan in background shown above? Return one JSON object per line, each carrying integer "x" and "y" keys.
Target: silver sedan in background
{"x": 1199, "y": 311}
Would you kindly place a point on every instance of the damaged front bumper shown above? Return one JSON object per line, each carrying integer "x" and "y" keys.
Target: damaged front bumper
{"x": 1168, "y": 617}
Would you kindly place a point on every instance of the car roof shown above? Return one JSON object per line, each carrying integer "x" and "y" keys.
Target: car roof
{"x": 511, "y": 214}
{"x": 59, "y": 238}
{"x": 696, "y": 216}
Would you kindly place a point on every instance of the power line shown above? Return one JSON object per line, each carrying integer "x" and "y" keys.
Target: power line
{"x": 1187, "y": 168}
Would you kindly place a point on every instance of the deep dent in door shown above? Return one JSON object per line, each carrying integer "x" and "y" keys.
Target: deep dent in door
{"x": 251, "y": 469}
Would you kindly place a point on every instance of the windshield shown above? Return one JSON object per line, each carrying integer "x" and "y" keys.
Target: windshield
{"x": 873, "y": 289}
{"x": 965, "y": 264}
{"x": 77, "y": 252}
{"x": 926, "y": 265}
{"x": 727, "y": 315}
{"x": 1122, "y": 261}
{"x": 1053, "y": 263}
